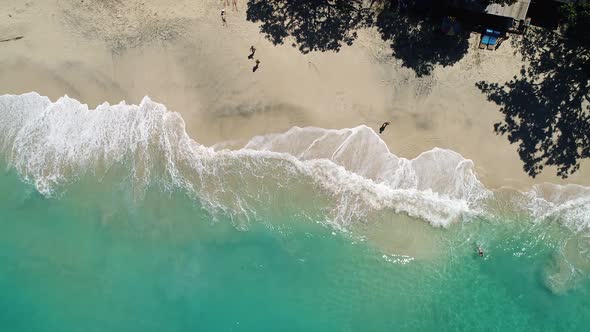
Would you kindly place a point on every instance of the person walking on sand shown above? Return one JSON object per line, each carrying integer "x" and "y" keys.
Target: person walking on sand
{"x": 252, "y": 51}
{"x": 234, "y": 4}
{"x": 383, "y": 126}
{"x": 256, "y": 66}
{"x": 224, "y": 22}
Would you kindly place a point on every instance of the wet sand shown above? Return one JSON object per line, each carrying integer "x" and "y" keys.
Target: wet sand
{"x": 181, "y": 55}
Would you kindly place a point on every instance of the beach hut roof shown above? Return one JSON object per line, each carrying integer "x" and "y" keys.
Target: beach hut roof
{"x": 516, "y": 11}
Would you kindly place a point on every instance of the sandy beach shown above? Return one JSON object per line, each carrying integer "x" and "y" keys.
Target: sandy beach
{"x": 180, "y": 54}
{"x": 267, "y": 200}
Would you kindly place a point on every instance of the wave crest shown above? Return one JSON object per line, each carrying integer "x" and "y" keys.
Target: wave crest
{"x": 351, "y": 171}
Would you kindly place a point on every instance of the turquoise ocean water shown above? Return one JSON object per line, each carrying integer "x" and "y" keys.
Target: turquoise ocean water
{"x": 90, "y": 245}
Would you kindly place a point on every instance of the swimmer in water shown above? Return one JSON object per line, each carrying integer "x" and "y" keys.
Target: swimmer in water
{"x": 480, "y": 251}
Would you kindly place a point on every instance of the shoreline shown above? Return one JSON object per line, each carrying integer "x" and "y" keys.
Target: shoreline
{"x": 204, "y": 74}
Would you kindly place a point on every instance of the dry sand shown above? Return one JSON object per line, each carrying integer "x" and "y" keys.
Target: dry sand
{"x": 179, "y": 54}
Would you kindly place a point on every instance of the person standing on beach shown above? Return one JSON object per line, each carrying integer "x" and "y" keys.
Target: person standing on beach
{"x": 256, "y": 66}
{"x": 224, "y": 22}
{"x": 234, "y": 4}
{"x": 383, "y": 126}
{"x": 252, "y": 51}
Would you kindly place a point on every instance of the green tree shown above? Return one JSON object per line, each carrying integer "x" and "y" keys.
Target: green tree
{"x": 577, "y": 21}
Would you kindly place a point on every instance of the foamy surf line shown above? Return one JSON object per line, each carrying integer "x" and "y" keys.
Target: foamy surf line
{"x": 52, "y": 144}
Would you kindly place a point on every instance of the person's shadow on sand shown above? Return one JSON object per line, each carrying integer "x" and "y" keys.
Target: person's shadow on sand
{"x": 255, "y": 68}
{"x": 253, "y": 50}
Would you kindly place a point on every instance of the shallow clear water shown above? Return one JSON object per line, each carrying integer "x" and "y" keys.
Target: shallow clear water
{"x": 96, "y": 259}
{"x": 125, "y": 223}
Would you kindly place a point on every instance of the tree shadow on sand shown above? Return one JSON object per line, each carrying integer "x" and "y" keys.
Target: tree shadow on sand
{"x": 327, "y": 25}
{"x": 315, "y": 25}
{"x": 417, "y": 41}
{"x": 546, "y": 107}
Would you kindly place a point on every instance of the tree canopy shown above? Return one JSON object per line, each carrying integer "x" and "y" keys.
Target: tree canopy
{"x": 577, "y": 21}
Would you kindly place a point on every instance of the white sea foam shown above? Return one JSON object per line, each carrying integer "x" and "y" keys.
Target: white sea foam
{"x": 53, "y": 144}
{"x": 439, "y": 185}
{"x": 570, "y": 204}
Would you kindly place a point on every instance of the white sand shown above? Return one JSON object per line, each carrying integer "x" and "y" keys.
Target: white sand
{"x": 179, "y": 54}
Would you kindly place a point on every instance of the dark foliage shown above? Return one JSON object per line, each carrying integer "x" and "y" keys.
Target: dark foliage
{"x": 315, "y": 25}
{"x": 417, "y": 41}
{"x": 545, "y": 107}
{"x": 577, "y": 21}
{"x": 326, "y": 25}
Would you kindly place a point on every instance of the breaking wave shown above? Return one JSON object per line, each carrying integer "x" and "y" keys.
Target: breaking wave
{"x": 350, "y": 171}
